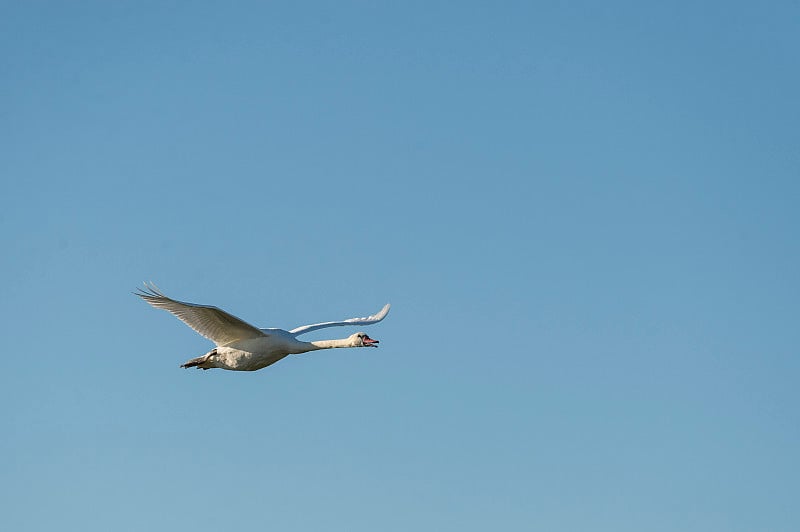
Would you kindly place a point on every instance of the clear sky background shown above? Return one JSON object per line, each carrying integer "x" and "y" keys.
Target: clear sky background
{"x": 585, "y": 216}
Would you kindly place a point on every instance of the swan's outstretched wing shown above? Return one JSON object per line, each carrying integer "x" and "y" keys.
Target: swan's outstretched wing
{"x": 213, "y": 323}
{"x": 369, "y": 320}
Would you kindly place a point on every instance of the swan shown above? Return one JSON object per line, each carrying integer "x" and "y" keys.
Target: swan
{"x": 242, "y": 347}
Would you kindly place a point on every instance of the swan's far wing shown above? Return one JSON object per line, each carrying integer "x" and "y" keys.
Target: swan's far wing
{"x": 369, "y": 320}
{"x": 213, "y": 323}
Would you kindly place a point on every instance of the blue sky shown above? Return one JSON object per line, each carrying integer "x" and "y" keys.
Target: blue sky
{"x": 584, "y": 215}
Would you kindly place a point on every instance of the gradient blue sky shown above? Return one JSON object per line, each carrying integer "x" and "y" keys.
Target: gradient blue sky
{"x": 585, "y": 216}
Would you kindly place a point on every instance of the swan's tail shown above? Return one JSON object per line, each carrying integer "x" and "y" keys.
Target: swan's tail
{"x": 203, "y": 362}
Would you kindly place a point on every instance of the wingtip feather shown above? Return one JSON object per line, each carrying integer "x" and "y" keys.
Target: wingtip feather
{"x": 149, "y": 292}
{"x": 383, "y": 312}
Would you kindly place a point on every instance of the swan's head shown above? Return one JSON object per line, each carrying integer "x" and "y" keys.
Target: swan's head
{"x": 361, "y": 339}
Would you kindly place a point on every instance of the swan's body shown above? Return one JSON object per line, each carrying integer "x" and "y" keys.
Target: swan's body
{"x": 242, "y": 347}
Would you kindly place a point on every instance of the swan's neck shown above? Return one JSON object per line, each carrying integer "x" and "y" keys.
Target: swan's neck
{"x": 330, "y": 344}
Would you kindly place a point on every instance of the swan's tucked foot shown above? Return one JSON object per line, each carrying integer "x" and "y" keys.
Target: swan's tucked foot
{"x": 200, "y": 362}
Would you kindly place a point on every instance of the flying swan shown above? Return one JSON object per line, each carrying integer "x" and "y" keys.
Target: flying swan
{"x": 242, "y": 347}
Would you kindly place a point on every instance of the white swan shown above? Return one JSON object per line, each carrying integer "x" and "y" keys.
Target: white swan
{"x": 242, "y": 347}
